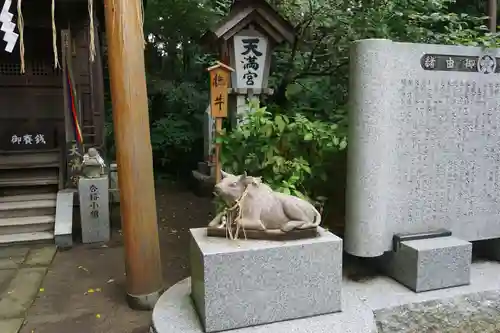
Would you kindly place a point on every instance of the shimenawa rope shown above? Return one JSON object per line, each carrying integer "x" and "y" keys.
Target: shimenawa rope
{"x": 20, "y": 27}
{"x": 54, "y": 35}
{"x": 228, "y": 214}
{"x": 92, "y": 51}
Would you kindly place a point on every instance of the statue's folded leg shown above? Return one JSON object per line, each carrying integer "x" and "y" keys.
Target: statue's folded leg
{"x": 307, "y": 225}
{"x": 217, "y": 220}
{"x": 251, "y": 224}
{"x": 290, "y": 225}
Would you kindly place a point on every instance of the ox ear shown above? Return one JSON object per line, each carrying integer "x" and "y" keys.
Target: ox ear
{"x": 224, "y": 174}
{"x": 245, "y": 179}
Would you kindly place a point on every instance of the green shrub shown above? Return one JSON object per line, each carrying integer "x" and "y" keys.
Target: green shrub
{"x": 291, "y": 153}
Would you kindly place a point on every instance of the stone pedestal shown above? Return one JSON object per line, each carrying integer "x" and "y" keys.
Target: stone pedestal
{"x": 250, "y": 282}
{"x": 94, "y": 209}
{"x": 430, "y": 264}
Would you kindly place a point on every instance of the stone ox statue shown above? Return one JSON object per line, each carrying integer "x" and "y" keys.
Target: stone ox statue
{"x": 261, "y": 208}
{"x": 93, "y": 165}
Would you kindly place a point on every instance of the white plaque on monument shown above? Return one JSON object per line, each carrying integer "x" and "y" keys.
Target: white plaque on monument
{"x": 250, "y": 54}
{"x": 424, "y": 143}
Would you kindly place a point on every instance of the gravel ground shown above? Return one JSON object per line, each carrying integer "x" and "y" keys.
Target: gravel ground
{"x": 479, "y": 312}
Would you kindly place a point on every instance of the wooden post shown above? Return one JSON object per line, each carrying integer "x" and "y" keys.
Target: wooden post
{"x": 218, "y": 130}
{"x": 219, "y": 84}
{"x": 134, "y": 157}
{"x": 492, "y": 13}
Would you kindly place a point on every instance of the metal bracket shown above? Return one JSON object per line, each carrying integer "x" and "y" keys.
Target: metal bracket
{"x": 398, "y": 238}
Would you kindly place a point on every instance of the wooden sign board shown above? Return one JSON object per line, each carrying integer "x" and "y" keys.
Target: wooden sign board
{"x": 19, "y": 139}
{"x": 219, "y": 84}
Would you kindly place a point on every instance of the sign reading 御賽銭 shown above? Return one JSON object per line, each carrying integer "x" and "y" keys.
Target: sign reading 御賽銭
{"x": 18, "y": 139}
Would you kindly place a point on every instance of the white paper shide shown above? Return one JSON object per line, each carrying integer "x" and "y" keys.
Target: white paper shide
{"x": 250, "y": 60}
{"x": 8, "y": 27}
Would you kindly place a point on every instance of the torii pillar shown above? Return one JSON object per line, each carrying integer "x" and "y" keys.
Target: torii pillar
{"x": 125, "y": 38}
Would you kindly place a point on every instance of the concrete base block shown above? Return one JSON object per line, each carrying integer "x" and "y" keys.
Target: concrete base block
{"x": 64, "y": 218}
{"x": 249, "y": 282}
{"x": 430, "y": 264}
{"x": 64, "y": 242}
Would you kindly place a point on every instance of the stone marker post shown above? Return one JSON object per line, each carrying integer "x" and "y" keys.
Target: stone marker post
{"x": 94, "y": 209}
{"x": 93, "y": 189}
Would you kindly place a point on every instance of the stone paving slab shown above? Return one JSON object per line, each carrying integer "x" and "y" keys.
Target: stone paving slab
{"x": 22, "y": 270}
{"x": 40, "y": 256}
{"x": 11, "y": 325}
{"x": 13, "y": 251}
{"x": 11, "y": 263}
{"x": 6, "y": 276}
{"x": 21, "y": 292}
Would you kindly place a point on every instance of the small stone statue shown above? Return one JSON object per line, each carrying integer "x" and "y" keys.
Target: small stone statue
{"x": 260, "y": 208}
{"x": 93, "y": 164}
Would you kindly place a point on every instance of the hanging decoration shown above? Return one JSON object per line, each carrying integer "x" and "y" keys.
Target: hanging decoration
{"x": 8, "y": 27}
{"x": 92, "y": 51}
{"x": 54, "y": 35}
{"x": 20, "y": 28}
{"x": 11, "y": 37}
{"x": 73, "y": 104}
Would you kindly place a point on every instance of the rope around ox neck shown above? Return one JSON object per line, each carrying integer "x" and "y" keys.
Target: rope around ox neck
{"x": 228, "y": 213}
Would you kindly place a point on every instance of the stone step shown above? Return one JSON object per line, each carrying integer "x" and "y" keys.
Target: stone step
{"x": 27, "y": 237}
{"x": 30, "y": 159}
{"x": 28, "y": 197}
{"x": 27, "y": 208}
{"x": 17, "y": 225}
{"x": 28, "y": 190}
{"x": 29, "y": 177}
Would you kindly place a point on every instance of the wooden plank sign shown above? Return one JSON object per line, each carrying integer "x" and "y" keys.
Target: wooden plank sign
{"x": 219, "y": 83}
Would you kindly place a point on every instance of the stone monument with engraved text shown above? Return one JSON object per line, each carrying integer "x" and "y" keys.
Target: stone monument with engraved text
{"x": 424, "y": 156}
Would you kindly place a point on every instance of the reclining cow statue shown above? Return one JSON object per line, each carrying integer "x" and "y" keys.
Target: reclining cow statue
{"x": 261, "y": 208}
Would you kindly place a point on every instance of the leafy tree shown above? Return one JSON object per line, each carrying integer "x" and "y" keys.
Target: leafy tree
{"x": 177, "y": 80}
{"x": 310, "y": 77}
